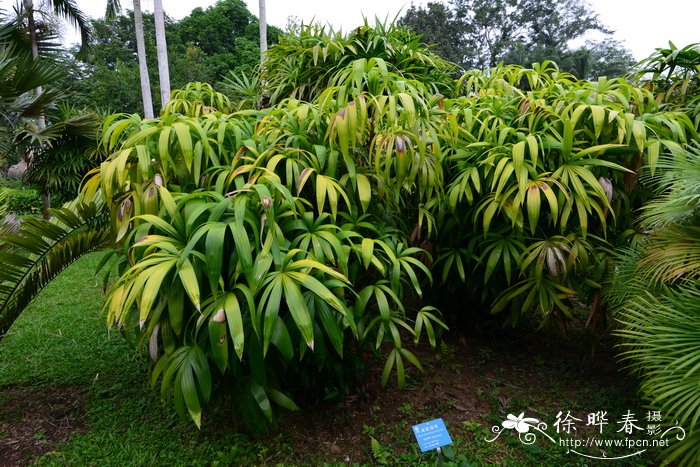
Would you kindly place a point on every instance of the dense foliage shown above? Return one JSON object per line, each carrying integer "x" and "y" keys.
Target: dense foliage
{"x": 269, "y": 251}
{"x": 541, "y": 176}
{"x": 271, "y": 240}
{"x": 21, "y": 200}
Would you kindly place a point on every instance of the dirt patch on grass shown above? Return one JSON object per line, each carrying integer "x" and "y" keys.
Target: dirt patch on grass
{"x": 339, "y": 431}
{"x": 35, "y": 419}
{"x": 467, "y": 382}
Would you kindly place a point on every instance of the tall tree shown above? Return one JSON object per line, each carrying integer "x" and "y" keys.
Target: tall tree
{"x": 482, "y": 33}
{"x": 63, "y": 9}
{"x": 204, "y": 46}
{"x": 227, "y": 34}
{"x": 438, "y": 24}
{"x": 162, "y": 49}
{"x": 143, "y": 65}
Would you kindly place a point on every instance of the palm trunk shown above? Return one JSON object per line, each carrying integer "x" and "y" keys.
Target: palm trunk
{"x": 41, "y": 123}
{"x": 46, "y": 198}
{"x": 163, "y": 70}
{"x": 263, "y": 29}
{"x": 31, "y": 23}
{"x": 143, "y": 66}
{"x": 264, "y": 99}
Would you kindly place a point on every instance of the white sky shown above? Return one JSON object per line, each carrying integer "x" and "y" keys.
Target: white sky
{"x": 642, "y": 24}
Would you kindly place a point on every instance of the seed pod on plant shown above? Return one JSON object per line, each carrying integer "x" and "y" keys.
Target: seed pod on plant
{"x": 150, "y": 201}
{"x": 220, "y": 316}
{"x": 153, "y": 343}
{"x": 524, "y": 106}
{"x": 124, "y": 209}
{"x": 440, "y": 101}
{"x": 400, "y": 146}
{"x": 607, "y": 187}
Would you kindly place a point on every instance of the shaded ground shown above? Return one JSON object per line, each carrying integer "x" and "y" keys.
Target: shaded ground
{"x": 35, "y": 419}
{"x": 472, "y": 384}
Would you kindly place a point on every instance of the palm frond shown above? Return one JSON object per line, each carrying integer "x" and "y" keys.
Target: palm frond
{"x": 20, "y": 75}
{"x": 15, "y": 33}
{"x": 41, "y": 249}
{"x": 69, "y": 10}
{"x": 114, "y": 7}
{"x": 678, "y": 184}
{"x": 661, "y": 341}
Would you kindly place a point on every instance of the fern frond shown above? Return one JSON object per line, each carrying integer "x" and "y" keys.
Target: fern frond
{"x": 379, "y": 452}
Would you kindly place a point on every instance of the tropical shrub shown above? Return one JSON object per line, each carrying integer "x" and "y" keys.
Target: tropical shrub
{"x": 63, "y": 151}
{"x": 304, "y": 65}
{"x": 25, "y": 200}
{"x": 540, "y": 174}
{"x": 671, "y": 73}
{"x": 267, "y": 251}
{"x": 252, "y": 246}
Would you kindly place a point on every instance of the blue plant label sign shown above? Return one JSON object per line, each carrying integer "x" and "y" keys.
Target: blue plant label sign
{"x": 431, "y": 435}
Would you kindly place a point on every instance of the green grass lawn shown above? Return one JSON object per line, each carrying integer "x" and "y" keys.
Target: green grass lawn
{"x": 61, "y": 343}
{"x": 60, "y": 359}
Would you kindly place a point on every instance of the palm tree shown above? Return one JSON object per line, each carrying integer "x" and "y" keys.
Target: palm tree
{"x": 25, "y": 91}
{"x": 64, "y": 9}
{"x": 20, "y": 74}
{"x": 114, "y": 7}
{"x": 162, "y": 47}
{"x": 653, "y": 295}
{"x": 62, "y": 152}
{"x": 23, "y": 77}
{"x": 143, "y": 66}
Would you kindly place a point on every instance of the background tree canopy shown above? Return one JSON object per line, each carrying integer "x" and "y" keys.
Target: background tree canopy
{"x": 480, "y": 34}
{"x": 204, "y": 46}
